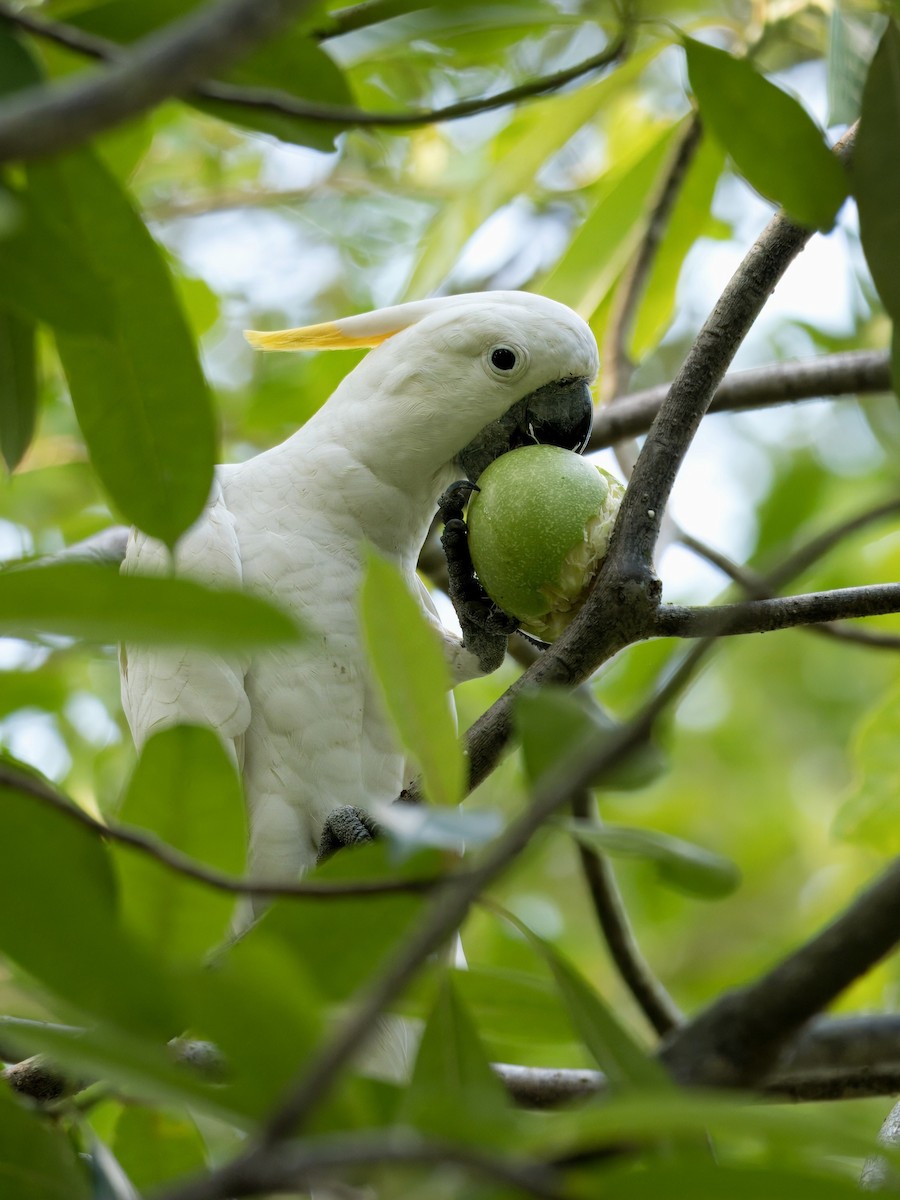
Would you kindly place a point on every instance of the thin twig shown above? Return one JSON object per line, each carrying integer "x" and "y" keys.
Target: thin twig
{"x": 651, "y": 997}
{"x": 852, "y": 372}
{"x": 58, "y": 116}
{"x": 293, "y": 1166}
{"x": 617, "y": 364}
{"x": 174, "y": 860}
{"x": 782, "y": 612}
{"x": 734, "y": 1041}
{"x": 283, "y": 104}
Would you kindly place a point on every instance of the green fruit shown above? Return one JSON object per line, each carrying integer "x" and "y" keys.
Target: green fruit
{"x": 539, "y": 528}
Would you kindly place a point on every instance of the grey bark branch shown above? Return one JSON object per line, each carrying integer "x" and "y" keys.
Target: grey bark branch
{"x": 59, "y": 116}
{"x": 852, "y": 372}
{"x": 649, "y": 994}
{"x": 782, "y": 612}
{"x": 735, "y": 1041}
{"x": 285, "y": 105}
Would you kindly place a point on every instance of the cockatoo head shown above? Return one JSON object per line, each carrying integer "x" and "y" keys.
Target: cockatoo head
{"x": 461, "y": 379}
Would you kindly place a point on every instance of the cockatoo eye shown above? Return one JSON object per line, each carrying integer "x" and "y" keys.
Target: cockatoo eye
{"x": 503, "y": 358}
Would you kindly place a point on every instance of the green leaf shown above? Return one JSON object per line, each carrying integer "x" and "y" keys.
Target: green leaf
{"x": 853, "y": 35}
{"x": 157, "y": 1147}
{"x": 406, "y": 653}
{"x": 18, "y": 387}
{"x": 185, "y": 790}
{"x": 97, "y": 604}
{"x": 870, "y": 815}
{"x": 552, "y": 723}
{"x": 37, "y": 1161}
{"x": 58, "y": 919}
{"x": 514, "y": 1007}
{"x": 606, "y": 241}
{"x": 774, "y": 142}
{"x": 140, "y": 395}
{"x": 453, "y": 1091}
{"x": 43, "y": 277}
{"x": 875, "y": 173}
{"x": 624, "y": 1061}
{"x": 681, "y": 865}
{"x": 713, "y": 1181}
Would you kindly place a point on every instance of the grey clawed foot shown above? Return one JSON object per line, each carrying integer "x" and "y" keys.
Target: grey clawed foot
{"x": 346, "y": 826}
{"x": 485, "y": 627}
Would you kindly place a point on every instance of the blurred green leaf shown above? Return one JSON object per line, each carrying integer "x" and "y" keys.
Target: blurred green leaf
{"x": 870, "y": 814}
{"x": 58, "y": 919}
{"x": 712, "y": 1181}
{"x": 774, "y": 142}
{"x": 453, "y": 1091}
{"x": 155, "y": 1147}
{"x": 552, "y": 723}
{"x": 853, "y": 34}
{"x": 185, "y": 790}
{"x": 690, "y": 869}
{"x": 140, "y": 395}
{"x": 690, "y": 219}
{"x": 514, "y": 1006}
{"x": 97, "y": 604}
{"x": 626, "y": 1063}
{"x": 18, "y": 386}
{"x": 606, "y": 241}
{"x": 37, "y": 1161}
{"x": 875, "y": 173}
{"x": 343, "y": 942}
{"x": 406, "y": 653}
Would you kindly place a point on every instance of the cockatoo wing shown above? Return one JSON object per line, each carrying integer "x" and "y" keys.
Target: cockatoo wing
{"x": 162, "y": 685}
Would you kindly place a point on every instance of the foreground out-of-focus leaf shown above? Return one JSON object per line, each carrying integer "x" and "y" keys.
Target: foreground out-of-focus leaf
{"x": 185, "y": 790}
{"x": 853, "y": 34}
{"x": 59, "y": 920}
{"x": 679, "y": 864}
{"x": 712, "y": 1181}
{"x": 453, "y": 1091}
{"x": 97, "y": 604}
{"x": 18, "y": 386}
{"x": 140, "y": 395}
{"x": 551, "y": 723}
{"x": 774, "y": 142}
{"x": 408, "y": 659}
{"x": 625, "y": 1062}
{"x": 870, "y": 815}
{"x": 875, "y": 172}
{"x": 156, "y": 1146}
{"x": 37, "y": 1161}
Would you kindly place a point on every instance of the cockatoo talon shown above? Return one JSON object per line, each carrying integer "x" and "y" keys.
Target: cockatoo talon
{"x": 346, "y": 826}
{"x": 454, "y": 499}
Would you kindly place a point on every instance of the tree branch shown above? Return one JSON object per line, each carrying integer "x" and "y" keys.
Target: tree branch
{"x": 292, "y": 1166}
{"x": 651, "y": 997}
{"x": 851, "y": 372}
{"x": 782, "y": 612}
{"x": 44, "y": 120}
{"x": 283, "y": 104}
{"x": 622, "y": 607}
{"x": 735, "y": 1041}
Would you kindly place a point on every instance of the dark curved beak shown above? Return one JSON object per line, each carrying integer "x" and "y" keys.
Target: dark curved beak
{"x": 558, "y": 414}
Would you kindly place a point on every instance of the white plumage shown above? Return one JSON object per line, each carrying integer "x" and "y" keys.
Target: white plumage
{"x": 305, "y": 725}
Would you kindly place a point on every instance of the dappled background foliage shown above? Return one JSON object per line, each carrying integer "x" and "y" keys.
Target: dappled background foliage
{"x": 776, "y": 758}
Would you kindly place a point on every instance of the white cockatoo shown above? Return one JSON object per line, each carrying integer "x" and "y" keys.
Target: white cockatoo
{"x": 451, "y": 384}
